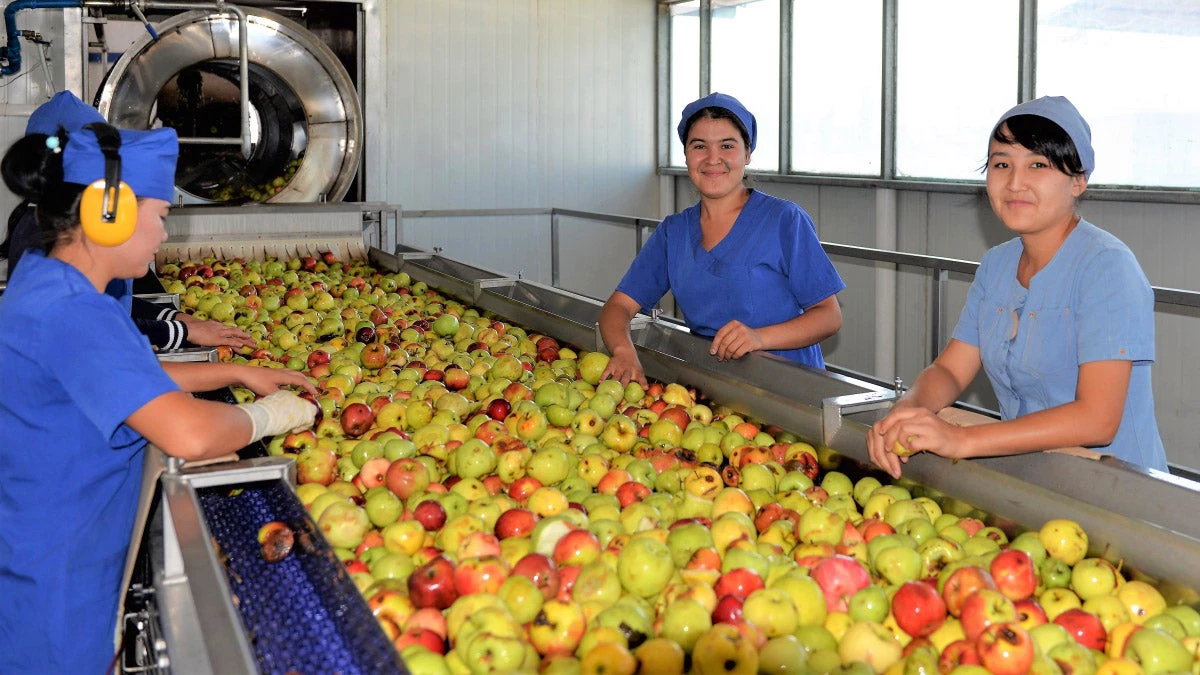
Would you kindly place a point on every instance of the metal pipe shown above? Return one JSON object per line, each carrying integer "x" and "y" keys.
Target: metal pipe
{"x": 12, "y": 51}
{"x": 243, "y": 59}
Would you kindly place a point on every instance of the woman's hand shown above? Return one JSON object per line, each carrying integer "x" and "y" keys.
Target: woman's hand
{"x": 265, "y": 381}
{"x": 735, "y": 340}
{"x": 209, "y": 333}
{"x": 914, "y": 430}
{"x": 625, "y": 367}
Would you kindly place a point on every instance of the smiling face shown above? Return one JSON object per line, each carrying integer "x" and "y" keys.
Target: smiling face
{"x": 716, "y": 157}
{"x": 1027, "y": 192}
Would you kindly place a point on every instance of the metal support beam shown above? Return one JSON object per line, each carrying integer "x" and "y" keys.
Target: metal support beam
{"x": 937, "y": 310}
{"x": 1027, "y": 51}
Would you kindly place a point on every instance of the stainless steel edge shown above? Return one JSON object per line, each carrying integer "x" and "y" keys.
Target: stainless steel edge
{"x": 196, "y": 608}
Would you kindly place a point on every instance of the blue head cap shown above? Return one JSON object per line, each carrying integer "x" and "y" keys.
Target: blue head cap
{"x": 147, "y": 161}
{"x": 63, "y": 110}
{"x": 726, "y": 102}
{"x": 1062, "y": 112}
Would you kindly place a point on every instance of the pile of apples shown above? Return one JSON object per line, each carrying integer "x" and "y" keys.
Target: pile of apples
{"x": 504, "y": 510}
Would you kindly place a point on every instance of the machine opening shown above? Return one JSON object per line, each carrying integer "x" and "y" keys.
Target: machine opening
{"x": 203, "y": 101}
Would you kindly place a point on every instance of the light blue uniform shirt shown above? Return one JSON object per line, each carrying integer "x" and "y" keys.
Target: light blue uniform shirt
{"x": 767, "y": 270}
{"x": 73, "y": 368}
{"x": 1090, "y": 303}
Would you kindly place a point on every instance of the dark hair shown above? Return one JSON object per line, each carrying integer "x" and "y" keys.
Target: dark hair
{"x": 714, "y": 113}
{"x": 35, "y": 173}
{"x": 1042, "y": 137}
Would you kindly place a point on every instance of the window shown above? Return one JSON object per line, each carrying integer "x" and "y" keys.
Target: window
{"x": 685, "y": 68}
{"x": 956, "y": 73}
{"x": 837, "y": 75}
{"x": 745, "y": 65}
{"x": 1148, "y": 133}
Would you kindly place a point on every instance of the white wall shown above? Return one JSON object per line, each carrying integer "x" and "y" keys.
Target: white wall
{"x": 516, "y": 103}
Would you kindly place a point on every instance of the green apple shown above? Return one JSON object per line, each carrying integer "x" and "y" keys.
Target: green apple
{"x": 644, "y": 567}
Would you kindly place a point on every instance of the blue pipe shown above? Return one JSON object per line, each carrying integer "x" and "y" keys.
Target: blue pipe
{"x": 12, "y": 52}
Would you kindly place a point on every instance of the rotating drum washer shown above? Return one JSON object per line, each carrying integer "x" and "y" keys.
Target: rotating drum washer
{"x": 305, "y": 118}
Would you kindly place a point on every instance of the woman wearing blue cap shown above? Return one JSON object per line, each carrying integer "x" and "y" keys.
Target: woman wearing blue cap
{"x": 81, "y": 393}
{"x": 746, "y": 268}
{"x": 165, "y": 327}
{"x": 1061, "y": 317}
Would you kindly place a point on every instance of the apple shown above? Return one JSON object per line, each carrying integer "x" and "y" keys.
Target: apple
{"x": 1157, "y": 652}
{"x": 644, "y": 567}
{"x": 356, "y": 419}
{"x": 684, "y": 621}
{"x": 962, "y": 583}
{"x": 432, "y": 584}
{"x": 1064, "y": 540}
{"x": 515, "y": 523}
{"x": 541, "y": 570}
{"x": 430, "y": 514}
{"x": 869, "y": 643}
{"x": 958, "y": 654}
{"x": 918, "y": 609}
{"x": 840, "y": 577}
{"x": 724, "y": 649}
{"x": 729, "y": 609}
{"x": 984, "y": 608}
{"x": 1015, "y": 576}
{"x": 1085, "y": 627}
{"x": 741, "y": 581}
{"x": 772, "y": 611}
{"x": 1005, "y": 649}
{"x": 557, "y": 628}
{"x": 480, "y": 575}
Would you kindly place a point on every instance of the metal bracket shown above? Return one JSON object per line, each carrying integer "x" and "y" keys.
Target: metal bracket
{"x": 637, "y": 323}
{"x": 190, "y": 355}
{"x": 414, "y": 255}
{"x": 478, "y": 285}
{"x": 835, "y": 407}
{"x": 171, "y": 299}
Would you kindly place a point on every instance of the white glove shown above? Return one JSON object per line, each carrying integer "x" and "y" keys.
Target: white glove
{"x": 277, "y": 413}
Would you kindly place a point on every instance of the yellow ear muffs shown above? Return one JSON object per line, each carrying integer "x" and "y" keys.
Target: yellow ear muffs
{"x": 108, "y": 217}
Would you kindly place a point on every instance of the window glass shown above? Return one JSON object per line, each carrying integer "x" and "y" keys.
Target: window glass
{"x": 685, "y": 69}
{"x": 745, "y": 65}
{"x": 837, "y": 75}
{"x": 956, "y": 74}
{"x": 1122, "y": 64}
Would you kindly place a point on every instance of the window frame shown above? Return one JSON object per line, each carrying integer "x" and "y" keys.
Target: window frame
{"x": 1026, "y": 66}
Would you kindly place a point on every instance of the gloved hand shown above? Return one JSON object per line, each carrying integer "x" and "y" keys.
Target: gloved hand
{"x": 280, "y": 412}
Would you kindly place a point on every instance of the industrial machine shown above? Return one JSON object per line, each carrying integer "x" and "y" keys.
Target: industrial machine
{"x": 267, "y": 99}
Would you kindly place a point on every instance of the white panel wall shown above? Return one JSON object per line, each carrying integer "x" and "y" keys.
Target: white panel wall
{"x": 517, "y": 103}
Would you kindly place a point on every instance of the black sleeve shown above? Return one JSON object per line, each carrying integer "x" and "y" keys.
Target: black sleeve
{"x": 144, "y": 309}
{"x": 23, "y": 234}
{"x": 163, "y": 335}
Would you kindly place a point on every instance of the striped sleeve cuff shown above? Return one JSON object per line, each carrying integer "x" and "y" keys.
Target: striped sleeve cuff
{"x": 167, "y": 314}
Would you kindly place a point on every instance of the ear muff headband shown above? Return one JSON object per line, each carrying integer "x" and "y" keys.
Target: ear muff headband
{"x": 108, "y": 208}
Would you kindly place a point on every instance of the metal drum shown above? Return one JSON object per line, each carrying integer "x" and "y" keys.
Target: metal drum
{"x": 303, "y": 114}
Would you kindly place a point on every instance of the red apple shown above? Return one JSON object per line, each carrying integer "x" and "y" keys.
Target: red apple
{"x": 432, "y": 584}
{"x": 515, "y": 523}
{"x": 406, "y": 477}
{"x": 541, "y": 571}
{"x": 840, "y": 577}
{"x": 1030, "y": 613}
{"x": 374, "y": 472}
{"x": 1014, "y": 573}
{"x": 962, "y": 584}
{"x": 728, "y": 609}
{"x": 431, "y": 514}
{"x": 984, "y": 608}
{"x": 357, "y": 419}
{"x": 480, "y": 575}
{"x": 1085, "y": 627}
{"x": 741, "y": 582}
{"x": 499, "y": 409}
{"x": 918, "y": 609}
{"x": 958, "y": 653}
{"x": 1005, "y": 649}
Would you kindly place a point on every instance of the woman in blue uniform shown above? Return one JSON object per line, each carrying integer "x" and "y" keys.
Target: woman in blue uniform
{"x": 165, "y": 327}
{"x": 746, "y": 268}
{"x": 1061, "y": 317}
{"x": 81, "y": 393}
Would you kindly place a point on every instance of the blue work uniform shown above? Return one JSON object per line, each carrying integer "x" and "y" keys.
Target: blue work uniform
{"x": 1092, "y": 302}
{"x": 767, "y": 270}
{"x": 70, "y": 468}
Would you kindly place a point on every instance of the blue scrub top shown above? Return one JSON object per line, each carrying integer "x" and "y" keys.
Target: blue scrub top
{"x": 73, "y": 367}
{"x": 767, "y": 270}
{"x": 1090, "y": 303}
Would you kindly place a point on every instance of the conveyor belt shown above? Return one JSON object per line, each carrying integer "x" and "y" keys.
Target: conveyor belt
{"x": 302, "y": 614}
